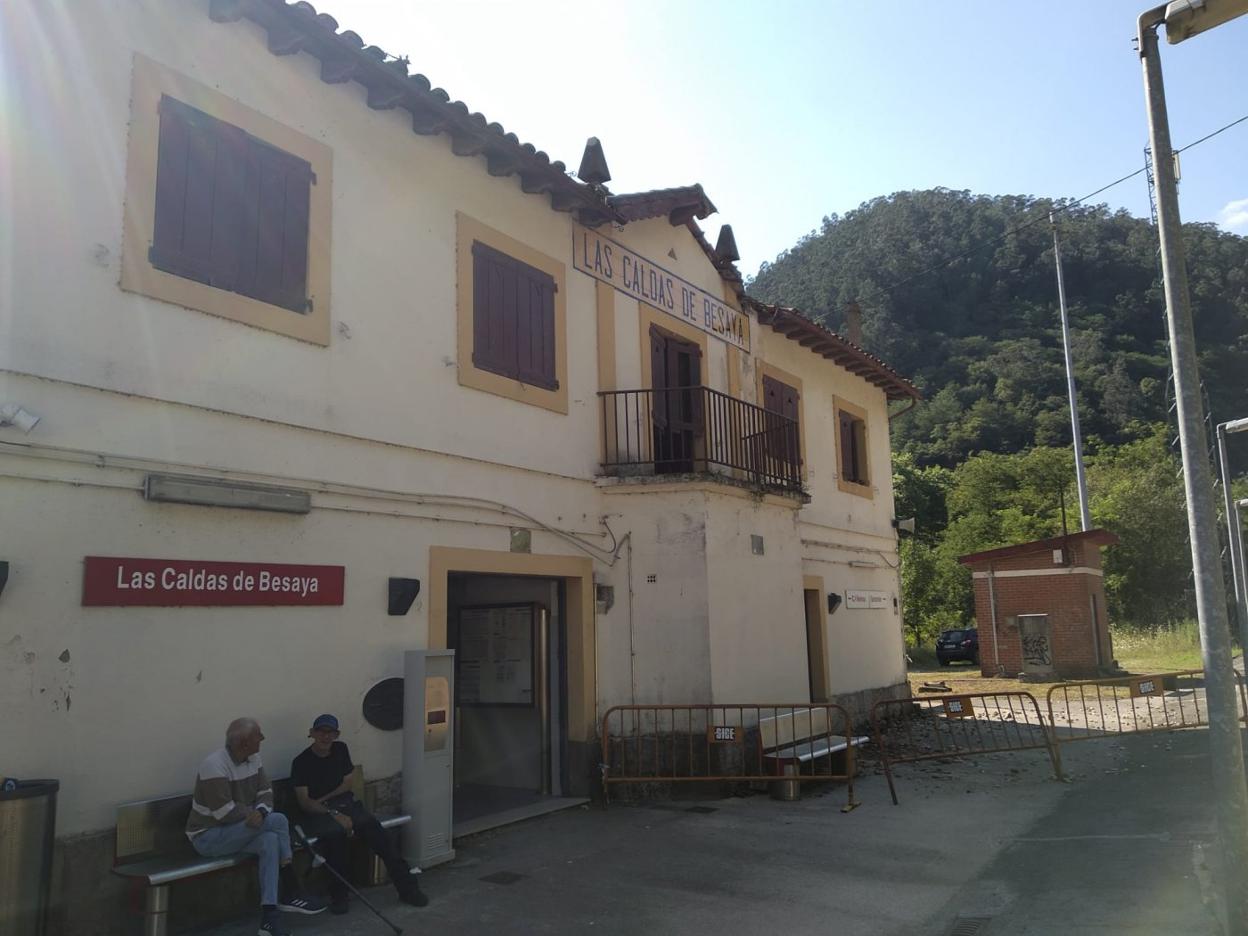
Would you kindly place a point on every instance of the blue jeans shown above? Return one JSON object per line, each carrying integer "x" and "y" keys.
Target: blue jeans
{"x": 270, "y": 843}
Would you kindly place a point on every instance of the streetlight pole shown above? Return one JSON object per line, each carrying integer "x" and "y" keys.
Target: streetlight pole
{"x": 1225, "y": 743}
{"x": 1233, "y": 538}
{"x": 1081, "y": 481}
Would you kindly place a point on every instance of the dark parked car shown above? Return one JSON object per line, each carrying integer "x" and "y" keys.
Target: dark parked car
{"x": 957, "y": 645}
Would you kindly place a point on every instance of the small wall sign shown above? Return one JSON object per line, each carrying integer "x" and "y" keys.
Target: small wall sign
{"x": 723, "y": 734}
{"x": 1147, "y": 686}
{"x": 860, "y": 599}
{"x": 111, "y": 581}
{"x": 959, "y": 707}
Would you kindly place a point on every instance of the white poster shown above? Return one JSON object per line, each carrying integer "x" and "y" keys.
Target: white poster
{"x": 495, "y": 655}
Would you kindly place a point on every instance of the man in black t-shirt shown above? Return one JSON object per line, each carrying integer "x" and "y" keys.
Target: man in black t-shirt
{"x": 321, "y": 776}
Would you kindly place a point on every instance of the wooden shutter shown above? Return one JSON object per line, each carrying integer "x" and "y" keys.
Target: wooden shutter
{"x": 199, "y": 181}
{"x": 781, "y": 399}
{"x": 493, "y": 312}
{"x": 231, "y": 211}
{"x": 658, "y": 377}
{"x": 861, "y": 474}
{"x": 274, "y": 266}
{"x": 535, "y": 326}
{"x": 513, "y": 318}
{"x": 846, "y": 438}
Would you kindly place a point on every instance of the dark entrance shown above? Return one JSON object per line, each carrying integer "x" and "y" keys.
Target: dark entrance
{"x": 676, "y": 403}
{"x": 509, "y": 637}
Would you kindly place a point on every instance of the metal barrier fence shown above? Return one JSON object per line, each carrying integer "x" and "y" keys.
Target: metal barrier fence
{"x": 956, "y": 726}
{"x": 1100, "y": 708}
{"x": 748, "y": 742}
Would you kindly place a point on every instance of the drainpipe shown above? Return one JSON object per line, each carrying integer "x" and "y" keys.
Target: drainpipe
{"x": 902, "y": 412}
{"x": 992, "y": 611}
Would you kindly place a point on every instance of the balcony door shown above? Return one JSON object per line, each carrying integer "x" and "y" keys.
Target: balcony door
{"x": 676, "y": 401}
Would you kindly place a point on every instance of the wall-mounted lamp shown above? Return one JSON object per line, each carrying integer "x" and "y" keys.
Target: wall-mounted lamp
{"x": 834, "y": 602}
{"x": 403, "y": 592}
{"x": 13, "y": 415}
{"x": 211, "y": 492}
{"x": 604, "y": 597}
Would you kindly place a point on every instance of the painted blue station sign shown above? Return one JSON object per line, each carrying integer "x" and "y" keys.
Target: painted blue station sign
{"x": 646, "y": 281}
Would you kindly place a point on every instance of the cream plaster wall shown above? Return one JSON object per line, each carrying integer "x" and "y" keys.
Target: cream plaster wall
{"x": 865, "y": 646}
{"x": 395, "y": 195}
{"x": 159, "y": 684}
{"x": 665, "y": 633}
{"x": 758, "y": 632}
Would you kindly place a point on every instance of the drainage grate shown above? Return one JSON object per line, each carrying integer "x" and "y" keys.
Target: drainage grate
{"x": 970, "y": 926}
{"x": 503, "y": 877}
{"x": 702, "y": 810}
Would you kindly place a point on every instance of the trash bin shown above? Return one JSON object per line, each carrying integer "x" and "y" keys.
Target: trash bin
{"x": 27, "y": 834}
{"x": 787, "y": 790}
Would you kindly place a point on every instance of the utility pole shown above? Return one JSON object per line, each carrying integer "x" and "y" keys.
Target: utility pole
{"x": 1085, "y": 515}
{"x": 1225, "y": 743}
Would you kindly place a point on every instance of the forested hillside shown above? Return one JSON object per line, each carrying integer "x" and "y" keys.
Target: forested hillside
{"x": 959, "y": 292}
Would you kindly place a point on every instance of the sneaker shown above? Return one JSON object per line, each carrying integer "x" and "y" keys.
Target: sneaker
{"x": 272, "y": 926}
{"x": 301, "y": 904}
{"x": 410, "y": 893}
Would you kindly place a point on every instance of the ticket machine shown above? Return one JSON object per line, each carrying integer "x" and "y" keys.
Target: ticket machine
{"x": 428, "y": 755}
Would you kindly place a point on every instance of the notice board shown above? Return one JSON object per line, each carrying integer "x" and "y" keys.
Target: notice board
{"x": 494, "y": 655}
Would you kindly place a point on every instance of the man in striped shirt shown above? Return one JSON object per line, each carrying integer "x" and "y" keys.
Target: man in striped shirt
{"x": 232, "y": 811}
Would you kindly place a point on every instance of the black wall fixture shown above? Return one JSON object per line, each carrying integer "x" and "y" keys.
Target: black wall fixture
{"x": 834, "y": 602}
{"x": 383, "y": 704}
{"x": 403, "y": 592}
{"x": 4, "y": 574}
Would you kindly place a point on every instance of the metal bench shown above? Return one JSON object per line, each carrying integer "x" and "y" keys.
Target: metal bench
{"x": 152, "y": 847}
{"x": 801, "y": 735}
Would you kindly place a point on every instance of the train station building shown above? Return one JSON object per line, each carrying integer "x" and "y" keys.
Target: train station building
{"x": 326, "y": 367}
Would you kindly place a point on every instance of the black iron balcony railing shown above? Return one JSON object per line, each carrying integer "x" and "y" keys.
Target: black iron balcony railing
{"x": 698, "y": 430}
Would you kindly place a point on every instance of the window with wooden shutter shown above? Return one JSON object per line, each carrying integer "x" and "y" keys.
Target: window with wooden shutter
{"x": 231, "y": 211}
{"x": 513, "y": 318}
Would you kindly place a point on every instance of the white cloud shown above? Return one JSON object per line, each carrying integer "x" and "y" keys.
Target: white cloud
{"x": 1234, "y": 216}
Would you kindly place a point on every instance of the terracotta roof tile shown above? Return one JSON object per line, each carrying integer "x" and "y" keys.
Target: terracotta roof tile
{"x": 678, "y": 204}
{"x": 822, "y": 340}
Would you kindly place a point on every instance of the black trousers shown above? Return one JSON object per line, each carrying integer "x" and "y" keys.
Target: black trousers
{"x": 333, "y": 844}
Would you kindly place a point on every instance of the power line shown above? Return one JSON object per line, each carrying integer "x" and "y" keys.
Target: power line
{"x": 1045, "y": 215}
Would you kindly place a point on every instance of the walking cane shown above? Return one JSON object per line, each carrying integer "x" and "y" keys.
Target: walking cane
{"x": 303, "y": 840}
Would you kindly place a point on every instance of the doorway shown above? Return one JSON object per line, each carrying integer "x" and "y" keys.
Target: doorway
{"x": 1033, "y": 631}
{"x": 676, "y": 401}
{"x": 816, "y": 644}
{"x": 509, "y": 636}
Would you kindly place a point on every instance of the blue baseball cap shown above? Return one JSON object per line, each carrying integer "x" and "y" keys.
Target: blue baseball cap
{"x": 325, "y": 721}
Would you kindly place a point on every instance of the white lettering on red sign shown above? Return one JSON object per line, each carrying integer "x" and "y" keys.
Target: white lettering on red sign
{"x": 109, "y": 581}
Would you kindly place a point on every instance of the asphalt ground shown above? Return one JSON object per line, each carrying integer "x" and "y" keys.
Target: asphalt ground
{"x": 985, "y": 846}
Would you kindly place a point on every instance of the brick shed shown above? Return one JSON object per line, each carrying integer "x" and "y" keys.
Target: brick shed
{"x": 1040, "y": 606}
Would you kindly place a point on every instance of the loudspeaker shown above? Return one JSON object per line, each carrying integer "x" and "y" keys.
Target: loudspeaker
{"x": 403, "y": 592}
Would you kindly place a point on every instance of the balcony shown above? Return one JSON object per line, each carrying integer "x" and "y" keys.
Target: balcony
{"x": 699, "y": 431}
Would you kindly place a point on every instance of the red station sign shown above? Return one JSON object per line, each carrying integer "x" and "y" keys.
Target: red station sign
{"x": 110, "y": 581}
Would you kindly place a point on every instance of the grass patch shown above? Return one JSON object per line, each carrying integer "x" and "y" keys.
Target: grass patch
{"x": 1160, "y": 650}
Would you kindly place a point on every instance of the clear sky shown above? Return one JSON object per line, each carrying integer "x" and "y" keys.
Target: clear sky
{"x": 788, "y": 111}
